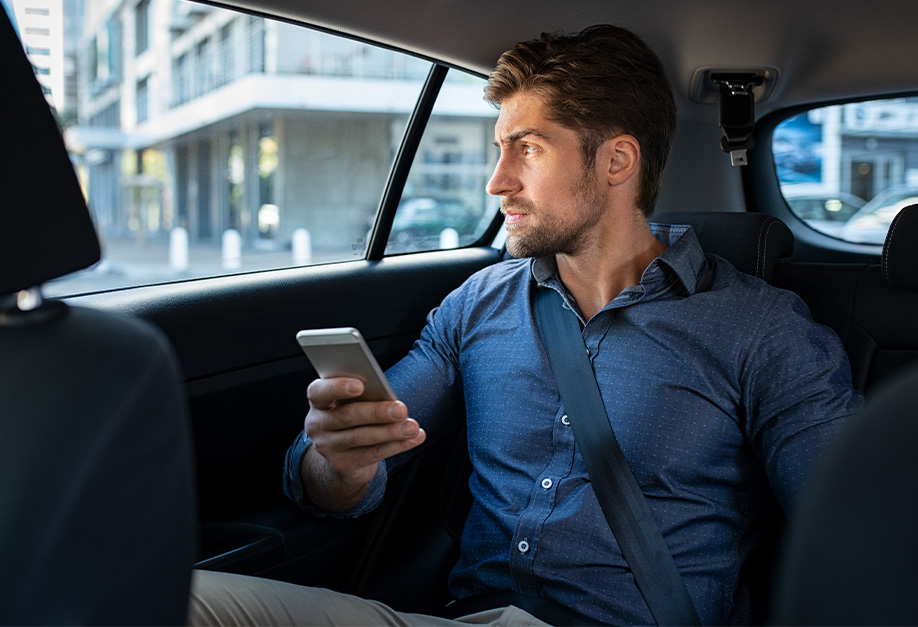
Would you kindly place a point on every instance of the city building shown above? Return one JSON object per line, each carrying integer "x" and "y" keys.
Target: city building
{"x": 50, "y": 49}
{"x": 195, "y": 117}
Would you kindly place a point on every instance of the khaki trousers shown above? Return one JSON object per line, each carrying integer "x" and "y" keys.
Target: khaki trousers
{"x": 226, "y": 599}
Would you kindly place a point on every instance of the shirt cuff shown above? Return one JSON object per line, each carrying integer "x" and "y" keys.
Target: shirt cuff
{"x": 293, "y": 484}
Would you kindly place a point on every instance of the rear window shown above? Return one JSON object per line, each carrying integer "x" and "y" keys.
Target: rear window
{"x": 847, "y": 170}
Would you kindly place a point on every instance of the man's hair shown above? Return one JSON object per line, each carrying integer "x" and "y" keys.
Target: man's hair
{"x": 600, "y": 82}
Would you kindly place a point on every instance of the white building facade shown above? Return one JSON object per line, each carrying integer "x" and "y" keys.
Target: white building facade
{"x": 210, "y": 120}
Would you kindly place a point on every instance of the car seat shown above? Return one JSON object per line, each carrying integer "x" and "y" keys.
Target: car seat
{"x": 851, "y": 554}
{"x": 881, "y": 336}
{"x": 96, "y": 495}
{"x": 752, "y": 242}
{"x": 852, "y": 551}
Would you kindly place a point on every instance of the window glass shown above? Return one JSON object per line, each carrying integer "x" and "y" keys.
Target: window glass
{"x": 233, "y": 144}
{"x": 847, "y": 170}
{"x": 142, "y": 26}
{"x": 444, "y": 204}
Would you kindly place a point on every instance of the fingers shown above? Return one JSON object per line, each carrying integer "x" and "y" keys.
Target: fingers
{"x": 353, "y": 437}
{"x": 359, "y": 462}
{"x": 353, "y": 453}
{"x": 327, "y": 393}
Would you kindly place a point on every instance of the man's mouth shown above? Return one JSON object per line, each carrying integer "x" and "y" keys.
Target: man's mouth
{"x": 513, "y": 215}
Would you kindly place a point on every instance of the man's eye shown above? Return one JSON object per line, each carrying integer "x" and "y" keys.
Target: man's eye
{"x": 528, "y": 149}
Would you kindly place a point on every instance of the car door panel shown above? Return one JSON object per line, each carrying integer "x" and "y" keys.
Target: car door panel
{"x": 246, "y": 378}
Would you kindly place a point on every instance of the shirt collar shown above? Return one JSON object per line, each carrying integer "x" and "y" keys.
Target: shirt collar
{"x": 683, "y": 261}
{"x": 684, "y": 255}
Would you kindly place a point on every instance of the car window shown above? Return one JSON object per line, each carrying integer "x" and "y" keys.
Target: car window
{"x": 211, "y": 142}
{"x": 847, "y": 170}
{"x": 444, "y": 204}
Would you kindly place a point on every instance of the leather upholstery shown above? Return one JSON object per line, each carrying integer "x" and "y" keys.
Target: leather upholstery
{"x": 900, "y": 250}
{"x": 873, "y": 308}
{"x": 850, "y": 558}
{"x": 880, "y": 335}
{"x": 96, "y": 502}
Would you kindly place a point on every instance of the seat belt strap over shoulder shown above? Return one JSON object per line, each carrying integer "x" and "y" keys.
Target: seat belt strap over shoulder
{"x": 620, "y": 497}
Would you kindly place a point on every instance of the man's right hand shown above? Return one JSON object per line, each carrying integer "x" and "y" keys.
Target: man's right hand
{"x": 349, "y": 440}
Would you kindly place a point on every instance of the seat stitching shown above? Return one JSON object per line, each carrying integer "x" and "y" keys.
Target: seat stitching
{"x": 763, "y": 245}
{"x": 886, "y": 246}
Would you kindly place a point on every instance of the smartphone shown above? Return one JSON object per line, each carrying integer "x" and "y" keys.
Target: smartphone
{"x": 342, "y": 352}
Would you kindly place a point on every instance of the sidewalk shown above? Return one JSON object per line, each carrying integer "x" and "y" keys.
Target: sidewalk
{"x": 128, "y": 262}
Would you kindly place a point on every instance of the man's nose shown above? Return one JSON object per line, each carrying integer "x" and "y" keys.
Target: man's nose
{"x": 504, "y": 181}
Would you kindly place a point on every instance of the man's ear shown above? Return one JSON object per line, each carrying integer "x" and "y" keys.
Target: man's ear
{"x": 621, "y": 157}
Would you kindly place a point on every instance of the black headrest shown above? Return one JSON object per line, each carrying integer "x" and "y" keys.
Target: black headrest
{"x": 900, "y": 250}
{"x": 45, "y": 228}
{"x": 752, "y": 242}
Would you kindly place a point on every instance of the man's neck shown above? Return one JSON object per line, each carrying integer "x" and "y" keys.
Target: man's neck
{"x": 613, "y": 263}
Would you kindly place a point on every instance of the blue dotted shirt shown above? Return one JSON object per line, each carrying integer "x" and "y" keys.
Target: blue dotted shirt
{"x": 721, "y": 391}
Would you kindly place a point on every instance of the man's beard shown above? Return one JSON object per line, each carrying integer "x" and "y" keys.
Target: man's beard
{"x": 561, "y": 235}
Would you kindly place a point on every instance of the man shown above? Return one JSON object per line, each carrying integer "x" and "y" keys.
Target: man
{"x": 719, "y": 387}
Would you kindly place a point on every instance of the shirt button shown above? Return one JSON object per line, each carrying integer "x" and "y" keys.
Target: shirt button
{"x": 523, "y": 546}
{"x": 546, "y": 483}
{"x": 565, "y": 420}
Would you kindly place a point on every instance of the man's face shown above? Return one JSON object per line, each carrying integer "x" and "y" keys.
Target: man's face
{"x": 550, "y": 200}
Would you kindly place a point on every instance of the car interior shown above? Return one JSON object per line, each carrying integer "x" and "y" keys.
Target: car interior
{"x": 145, "y": 427}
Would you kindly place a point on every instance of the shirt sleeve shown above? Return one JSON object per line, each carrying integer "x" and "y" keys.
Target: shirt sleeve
{"x": 798, "y": 395}
{"x": 293, "y": 484}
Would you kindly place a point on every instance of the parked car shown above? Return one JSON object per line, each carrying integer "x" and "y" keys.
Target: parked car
{"x": 271, "y": 128}
{"x": 871, "y": 222}
{"x": 430, "y": 223}
{"x": 824, "y": 211}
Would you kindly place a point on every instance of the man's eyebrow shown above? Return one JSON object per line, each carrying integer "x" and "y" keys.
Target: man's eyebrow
{"x": 518, "y": 135}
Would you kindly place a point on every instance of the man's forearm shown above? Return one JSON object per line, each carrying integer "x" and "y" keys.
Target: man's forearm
{"x": 324, "y": 487}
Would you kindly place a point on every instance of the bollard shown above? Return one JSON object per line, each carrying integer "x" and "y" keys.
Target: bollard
{"x": 302, "y": 247}
{"x": 178, "y": 249}
{"x": 232, "y": 250}
{"x": 449, "y": 238}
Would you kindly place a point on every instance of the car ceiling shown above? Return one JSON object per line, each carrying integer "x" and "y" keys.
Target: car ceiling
{"x": 822, "y": 50}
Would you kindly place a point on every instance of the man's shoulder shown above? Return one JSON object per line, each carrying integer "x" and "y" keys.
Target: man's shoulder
{"x": 510, "y": 271}
{"x": 724, "y": 275}
{"x": 502, "y": 282}
{"x": 751, "y": 295}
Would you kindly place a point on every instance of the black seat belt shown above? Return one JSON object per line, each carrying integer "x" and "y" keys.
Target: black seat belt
{"x": 619, "y": 494}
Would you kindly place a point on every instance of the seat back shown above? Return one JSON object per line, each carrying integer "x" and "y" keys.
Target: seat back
{"x": 882, "y": 335}
{"x": 752, "y": 242}
{"x": 96, "y": 502}
{"x": 851, "y": 554}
